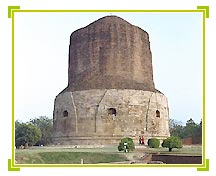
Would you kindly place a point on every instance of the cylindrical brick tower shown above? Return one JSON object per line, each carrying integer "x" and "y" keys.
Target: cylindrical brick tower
{"x": 110, "y": 92}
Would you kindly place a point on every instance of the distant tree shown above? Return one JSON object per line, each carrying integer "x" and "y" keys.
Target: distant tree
{"x": 172, "y": 142}
{"x": 199, "y": 132}
{"x": 130, "y": 144}
{"x": 199, "y": 129}
{"x": 45, "y": 124}
{"x": 26, "y": 133}
{"x": 176, "y": 128}
{"x": 190, "y": 129}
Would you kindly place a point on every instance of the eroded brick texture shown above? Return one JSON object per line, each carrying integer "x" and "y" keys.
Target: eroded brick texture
{"x": 110, "y": 53}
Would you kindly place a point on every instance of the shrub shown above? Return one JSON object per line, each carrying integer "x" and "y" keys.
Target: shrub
{"x": 130, "y": 144}
{"x": 172, "y": 142}
{"x": 153, "y": 143}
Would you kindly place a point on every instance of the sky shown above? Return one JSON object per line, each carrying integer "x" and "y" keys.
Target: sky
{"x": 41, "y": 59}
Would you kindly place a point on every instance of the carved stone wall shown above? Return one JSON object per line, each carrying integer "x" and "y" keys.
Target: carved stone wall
{"x": 89, "y": 116}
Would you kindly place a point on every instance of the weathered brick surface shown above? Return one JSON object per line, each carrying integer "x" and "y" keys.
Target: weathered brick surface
{"x": 110, "y": 53}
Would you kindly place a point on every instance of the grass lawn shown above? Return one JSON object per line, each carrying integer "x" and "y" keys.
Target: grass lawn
{"x": 107, "y": 154}
{"x": 66, "y": 156}
{"x": 186, "y": 150}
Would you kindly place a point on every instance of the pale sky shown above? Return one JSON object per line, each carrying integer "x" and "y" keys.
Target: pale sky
{"x": 41, "y": 59}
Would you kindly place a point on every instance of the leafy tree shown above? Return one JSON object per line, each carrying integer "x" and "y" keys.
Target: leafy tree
{"x": 176, "y": 128}
{"x": 199, "y": 129}
{"x": 26, "y": 133}
{"x": 46, "y": 126}
{"x": 130, "y": 144}
{"x": 190, "y": 129}
{"x": 153, "y": 143}
{"x": 199, "y": 133}
{"x": 172, "y": 142}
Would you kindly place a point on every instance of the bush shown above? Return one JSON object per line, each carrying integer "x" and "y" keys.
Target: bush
{"x": 130, "y": 144}
{"x": 172, "y": 142}
{"x": 153, "y": 143}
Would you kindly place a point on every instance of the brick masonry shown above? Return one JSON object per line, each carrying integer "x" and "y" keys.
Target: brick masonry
{"x": 110, "y": 53}
{"x": 110, "y": 92}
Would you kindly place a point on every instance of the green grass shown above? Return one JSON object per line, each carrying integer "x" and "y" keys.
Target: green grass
{"x": 107, "y": 154}
{"x": 192, "y": 151}
{"x": 75, "y": 157}
{"x": 67, "y": 157}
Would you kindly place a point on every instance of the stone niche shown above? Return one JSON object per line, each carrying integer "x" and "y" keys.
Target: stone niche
{"x": 106, "y": 116}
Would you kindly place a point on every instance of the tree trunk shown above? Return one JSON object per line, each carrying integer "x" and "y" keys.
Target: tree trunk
{"x": 170, "y": 149}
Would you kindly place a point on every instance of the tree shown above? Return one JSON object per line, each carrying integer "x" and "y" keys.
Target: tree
{"x": 199, "y": 129}
{"x": 128, "y": 143}
{"x": 26, "y": 133}
{"x": 176, "y": 128}
{"x": 198, "y": 136}
{"x": 46, "y": 126}
{"x": 172, "y": 142}
{"x": 190, "y": 129}
{"x": 153, "y": 143}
